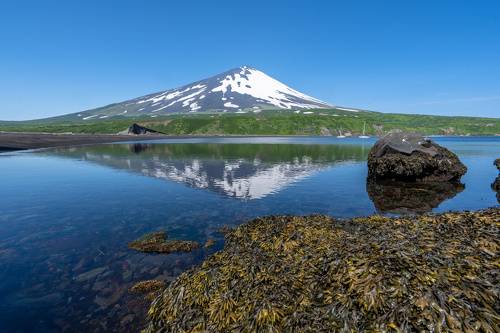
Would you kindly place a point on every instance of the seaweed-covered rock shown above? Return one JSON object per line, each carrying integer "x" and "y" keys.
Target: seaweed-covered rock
{"x": 497, "y": 163}
{"x": 408, "y": 197}
{"x": 435, "y": 273}
{"x": 156, "y": 242}
{"x": 147, "y": 286}
{"x": 411, "y": 157}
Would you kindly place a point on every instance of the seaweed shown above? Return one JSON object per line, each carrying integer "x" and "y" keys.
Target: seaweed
{"x": 318, "y": 274}
{"x": 147, "y": 286}
{"x": 156, "y": 242}
{"x": 224, "y": 229}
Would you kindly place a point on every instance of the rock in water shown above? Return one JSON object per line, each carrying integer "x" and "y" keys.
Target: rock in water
{"x": 496, "y": 184}
{"x": 411, "y": 157}
{"x": 136, "y": 129}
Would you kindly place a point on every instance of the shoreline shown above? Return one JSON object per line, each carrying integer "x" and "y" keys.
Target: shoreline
{"x": 17, "y": 141}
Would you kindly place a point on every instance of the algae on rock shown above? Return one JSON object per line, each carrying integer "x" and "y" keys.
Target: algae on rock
{"x": 156, "y": 242}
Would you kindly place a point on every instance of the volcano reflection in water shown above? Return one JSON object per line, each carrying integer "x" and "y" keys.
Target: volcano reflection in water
{"x": 243, "y": 171}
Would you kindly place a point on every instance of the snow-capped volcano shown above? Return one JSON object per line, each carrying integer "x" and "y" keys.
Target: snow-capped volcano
{"x": 242, "y": 89}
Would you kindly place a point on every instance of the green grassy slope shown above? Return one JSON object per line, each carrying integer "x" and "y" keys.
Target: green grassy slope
{"x": 320, "y": 122}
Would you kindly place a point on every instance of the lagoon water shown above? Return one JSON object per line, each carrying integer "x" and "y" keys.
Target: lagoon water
{"x": 67, "y": 214}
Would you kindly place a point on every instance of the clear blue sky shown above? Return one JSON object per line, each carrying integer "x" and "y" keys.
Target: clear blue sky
{"x": 432, "y": 57}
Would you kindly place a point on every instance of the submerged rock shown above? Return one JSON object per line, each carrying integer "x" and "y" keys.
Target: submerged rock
{"x": 136, "y": 129}
{"x": 411, "y": 157}
{"x": 90, "y": 274}
{"x": 410, "y": 198}
{"x": 316, "y": 274}
{"x": 209, "y": 243}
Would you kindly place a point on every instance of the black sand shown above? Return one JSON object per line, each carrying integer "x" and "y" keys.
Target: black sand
{"x": 20, "y": 141}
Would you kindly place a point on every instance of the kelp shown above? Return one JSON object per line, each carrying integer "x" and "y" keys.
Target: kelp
{"x": 149, "y": 288}
{"x": 428, "y": 273}
{"x": 156, "y": 242}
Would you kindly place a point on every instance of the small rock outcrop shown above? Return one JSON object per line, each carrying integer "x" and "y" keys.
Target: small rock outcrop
{"x": 496, "y": 184}
{"x": 411, "y": 157}
{"x": 136, "y": 129}
{"x": 325, "y": 131}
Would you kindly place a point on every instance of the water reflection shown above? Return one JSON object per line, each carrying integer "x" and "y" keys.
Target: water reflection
{"x": 243, "y": 171}
{"x": 138, "y": 148}
{"x": 410, "y": 198}
{"x": 67, "y": 214}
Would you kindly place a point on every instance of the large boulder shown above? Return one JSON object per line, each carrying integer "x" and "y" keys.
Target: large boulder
{"x": 411, "y": 157}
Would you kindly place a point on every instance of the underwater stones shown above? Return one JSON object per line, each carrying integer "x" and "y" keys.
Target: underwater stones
{"x": 90, "y": 274}
{"x": 157, "y": 242}
{"x": 317, "y": 274}
{"x": 411, "y": 157}
{"x": 410, "y": 197}
{"x": 108, "y": 300}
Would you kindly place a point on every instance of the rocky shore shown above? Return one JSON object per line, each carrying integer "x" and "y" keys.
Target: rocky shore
{"x": 435, "y": 272}
{"x": 21, "y": 141}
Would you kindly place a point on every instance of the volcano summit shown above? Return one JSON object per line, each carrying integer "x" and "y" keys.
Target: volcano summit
{"x": 242, "y": 89}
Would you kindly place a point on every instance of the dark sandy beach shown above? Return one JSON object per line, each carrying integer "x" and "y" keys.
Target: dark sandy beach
{"x": 11, "y": 141}
{"x": 20, "y": 141}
